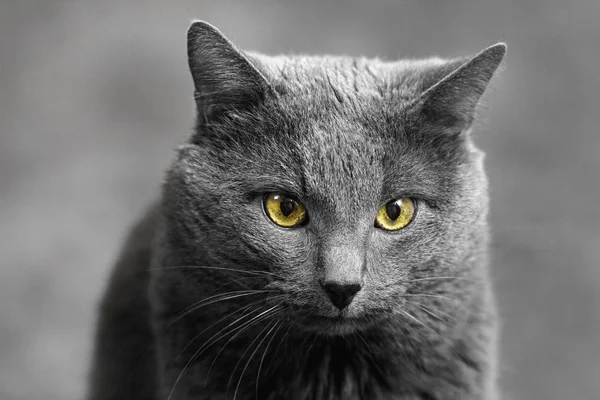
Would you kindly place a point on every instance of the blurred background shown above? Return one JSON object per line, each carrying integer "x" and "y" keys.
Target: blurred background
{"x": 94, "y": 96}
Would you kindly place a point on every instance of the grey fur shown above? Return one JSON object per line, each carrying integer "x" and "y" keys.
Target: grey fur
{"x": 344, "y": 135}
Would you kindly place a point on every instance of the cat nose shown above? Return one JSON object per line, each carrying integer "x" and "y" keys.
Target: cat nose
{"x": 341, "y": 294}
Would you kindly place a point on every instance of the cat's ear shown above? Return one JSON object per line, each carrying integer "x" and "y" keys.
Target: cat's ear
{"x": 224, "y": 78}
{"x": 450, "y": 103}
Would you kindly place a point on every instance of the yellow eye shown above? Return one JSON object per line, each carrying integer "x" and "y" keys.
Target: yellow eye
{"x": 396, "y": 214}
{"x": 284, "y": 211}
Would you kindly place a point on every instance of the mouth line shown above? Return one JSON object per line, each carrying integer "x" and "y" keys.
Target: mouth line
{"x": 333, "y": 325}
{"x": 338, "y": 322}
{"x": 339, "y": 318}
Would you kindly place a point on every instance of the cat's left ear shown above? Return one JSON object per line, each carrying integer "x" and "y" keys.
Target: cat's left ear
{"x": 224, "y": 79}
{"x": 450, "y": 104}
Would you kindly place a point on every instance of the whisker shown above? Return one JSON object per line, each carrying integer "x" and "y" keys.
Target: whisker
{"x": 251, "y": 356}
{"x": 239, "y": 329}
{"x": 246, "y": 325}
{"x": 201, "y": 349}
{"x": 410, "y": 343}
{"x": 440, "y": 278}
{"x": 360, "y": 335}
{"x": 215, "y": 299}
{"x": 416, "y": 320}
{"x": 312, "y": 344}
{"x": 426, "y": 309}
{"x": 242, "y": 356}
{"x": 437, "y": 296}
{"x": 279, "y": 325}
{"x": 245, "y": 287}
{"x": 240, "y": 283}
{"x": 444, "y": 339}
{"x": 298, "y": 351}
{"x": 370, "y": 350}
{"x": 254, "y": 272}
{"x": 277, "y": 348}
{"x": 215, "y": 323}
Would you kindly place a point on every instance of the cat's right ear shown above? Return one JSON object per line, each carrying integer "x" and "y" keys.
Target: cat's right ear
{"x": 449, "y": 104}
{"x": 224, "y": 79}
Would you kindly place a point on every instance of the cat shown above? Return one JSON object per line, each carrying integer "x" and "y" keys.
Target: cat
{"x": 322, "y": 235}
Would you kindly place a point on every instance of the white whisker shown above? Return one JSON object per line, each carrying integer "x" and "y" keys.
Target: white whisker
{"x": 444, "y": 339}
{"x": 246, "y": 325}
{"x": 437, "y": 296}
{"x": 215, "y": 323}
{"x": 277, "y": 348}
{"x": 207, "y": 345}
{"x": 253, "y": 272}
{"x": 440, "y": 278}
{"x": 250, "y": 358}
{"x": 278, "y": 324}
{"x": 426, "y": 309}
{"x": 216, "y": 299}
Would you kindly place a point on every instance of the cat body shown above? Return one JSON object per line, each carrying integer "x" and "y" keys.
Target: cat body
{"x": 214, "y": 297}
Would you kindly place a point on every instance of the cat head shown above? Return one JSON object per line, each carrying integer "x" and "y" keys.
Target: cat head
{"x": 340, "y": 185}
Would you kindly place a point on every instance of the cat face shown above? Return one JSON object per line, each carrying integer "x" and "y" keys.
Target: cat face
{"x": 348, "y": 183}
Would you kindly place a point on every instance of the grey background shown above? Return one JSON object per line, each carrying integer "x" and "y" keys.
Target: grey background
{"x": 94, "y": 95}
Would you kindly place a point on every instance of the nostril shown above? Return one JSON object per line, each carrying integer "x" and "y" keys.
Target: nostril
{"x": 341, "y": 294}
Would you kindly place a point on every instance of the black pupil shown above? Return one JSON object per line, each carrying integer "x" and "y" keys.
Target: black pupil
{"x": 392, "y": 210}
{"x": 287, "y": 206}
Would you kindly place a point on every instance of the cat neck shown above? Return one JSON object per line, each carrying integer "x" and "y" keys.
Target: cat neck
{"x": 376, "y": 364}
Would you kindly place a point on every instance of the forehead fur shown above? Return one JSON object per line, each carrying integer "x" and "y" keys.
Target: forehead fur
{"x": 334, "y": 131}
{"x": 343, "y": 80}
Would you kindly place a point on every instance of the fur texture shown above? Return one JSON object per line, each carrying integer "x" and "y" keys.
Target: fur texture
{"x": 211, "y": 300}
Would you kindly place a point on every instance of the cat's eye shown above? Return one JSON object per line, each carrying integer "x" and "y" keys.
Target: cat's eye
{"x": 396, "y": 214}
{"x": 284, "y": 211}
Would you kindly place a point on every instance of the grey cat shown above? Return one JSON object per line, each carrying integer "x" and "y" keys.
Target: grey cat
{"x": 322, "y": 235}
